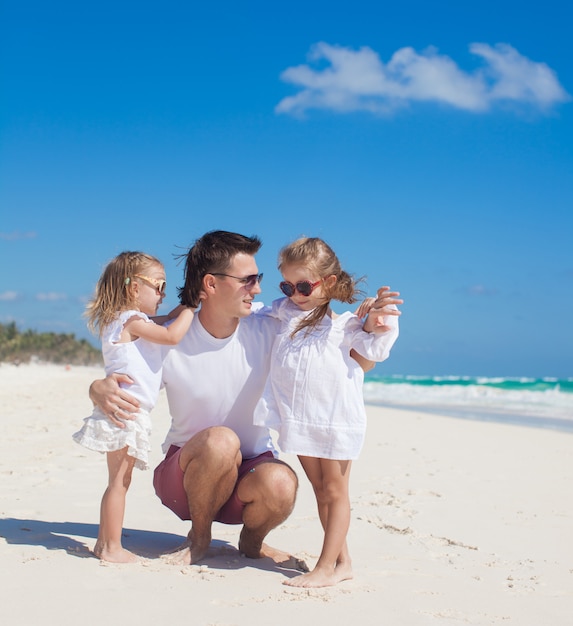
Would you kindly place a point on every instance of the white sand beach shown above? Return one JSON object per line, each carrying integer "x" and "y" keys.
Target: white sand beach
{"x": 453, "y": 522}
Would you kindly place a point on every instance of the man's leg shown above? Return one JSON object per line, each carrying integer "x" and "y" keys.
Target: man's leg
{"x": 209, "y": 462}
{"x": 269, "y": 493}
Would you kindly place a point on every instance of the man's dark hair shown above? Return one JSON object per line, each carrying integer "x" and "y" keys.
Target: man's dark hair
{"x": 212, "y": 253}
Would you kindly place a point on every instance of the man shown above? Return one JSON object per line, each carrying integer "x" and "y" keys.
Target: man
{"x": 219, "y": 466}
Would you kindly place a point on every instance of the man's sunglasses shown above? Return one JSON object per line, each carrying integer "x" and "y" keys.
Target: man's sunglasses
{"x": 247, "y": 281}
{"x": 158, "y": 285}
{"x": 304, "y": 287}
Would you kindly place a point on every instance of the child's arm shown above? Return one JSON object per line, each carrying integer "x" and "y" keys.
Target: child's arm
{"x": 380, "y": 330}
{"x": 364, "y": 307}
{"x": 161, "y": 319}
{"x": 365, "y": 364}
{"x": 166, "y": 335}
{"x": 379, "y": 308}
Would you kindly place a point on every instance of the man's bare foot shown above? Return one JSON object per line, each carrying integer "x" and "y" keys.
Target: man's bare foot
{"x": 321, "y": 577}
{"x": 251, "y": 545}
{"x": 116, "y": 555}
{"x": 189, "y": 552}
{"x": 284, "y": 559}
{"x": 253, "y": 548}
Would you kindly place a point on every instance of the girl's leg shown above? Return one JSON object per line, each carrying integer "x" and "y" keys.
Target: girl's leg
{"x": 330, "y": 481}
{"x": 314, "y": 472}
{"x": 108, "y": 546}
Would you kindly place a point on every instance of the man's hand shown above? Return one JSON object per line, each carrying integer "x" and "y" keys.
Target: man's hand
{"x": 114, "y": 401}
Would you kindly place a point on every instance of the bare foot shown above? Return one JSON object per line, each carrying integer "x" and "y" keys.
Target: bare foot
{"x": 253, "y": 548}
{"x": 251, "y": 545}
{"x": 116, "y": 555}
{"x": 284, "y": 559}
{"x": 189, "y": 552}
{"x": 343, "y": 571}
{"x": 321, "y": 577}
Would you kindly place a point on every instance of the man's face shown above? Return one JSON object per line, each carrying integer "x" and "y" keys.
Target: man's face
{"x": 233, "y": 295}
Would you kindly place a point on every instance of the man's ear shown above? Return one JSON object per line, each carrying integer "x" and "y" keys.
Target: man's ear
{"x": 208, "y": 283}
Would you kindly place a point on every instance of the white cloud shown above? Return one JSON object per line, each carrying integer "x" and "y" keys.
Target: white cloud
{"x": 9, "y": 296}
{"x": 481, "y": 290}
{"x": 515, "y": 77}
{"x": 9, "y": 319}
{"x": 51, "y": 296}
{"x": 345, "y": 80}
{"x": 17, "y": 236}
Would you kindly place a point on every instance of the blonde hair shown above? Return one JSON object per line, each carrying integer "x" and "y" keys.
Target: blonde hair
{"x": 318, "y": 257}
{"x": 113, "y": 293}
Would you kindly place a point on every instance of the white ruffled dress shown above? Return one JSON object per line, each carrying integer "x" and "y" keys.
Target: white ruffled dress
{"x": 141, "y": 360}
{"x": 313, "y": 396}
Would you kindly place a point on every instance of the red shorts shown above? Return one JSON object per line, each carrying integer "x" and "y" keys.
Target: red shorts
{"x": 168, "y": 483}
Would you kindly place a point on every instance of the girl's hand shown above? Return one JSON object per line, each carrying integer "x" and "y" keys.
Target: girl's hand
{"x": 364, "y": 308}
{"x": 383, "y": 306}
{"x": 114, "y": 401}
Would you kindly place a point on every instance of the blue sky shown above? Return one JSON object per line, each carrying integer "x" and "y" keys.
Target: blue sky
{"x": 431, "y": 144}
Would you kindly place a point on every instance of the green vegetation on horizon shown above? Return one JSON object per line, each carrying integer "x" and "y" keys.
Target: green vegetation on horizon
{"x": 22, "y": 347}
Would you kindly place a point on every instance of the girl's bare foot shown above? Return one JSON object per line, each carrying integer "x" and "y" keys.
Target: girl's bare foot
{"x": 343, "y": 571}
{"x": 321, "y": 577}
{"x": 116, "y": 555}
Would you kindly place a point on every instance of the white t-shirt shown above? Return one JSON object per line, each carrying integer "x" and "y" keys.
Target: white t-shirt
{"x": 217, "y": 382}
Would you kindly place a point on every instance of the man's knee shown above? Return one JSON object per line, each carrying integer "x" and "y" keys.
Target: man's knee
{"x": 220, "y": 440}
{"x": 281, "y": 484}
{"x": 218, "y": 445}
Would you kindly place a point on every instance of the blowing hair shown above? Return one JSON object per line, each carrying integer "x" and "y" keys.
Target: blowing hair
{"x": 318, "y": 257}
{"x": 112, "y": 293}
{"x": 212, "y": 253}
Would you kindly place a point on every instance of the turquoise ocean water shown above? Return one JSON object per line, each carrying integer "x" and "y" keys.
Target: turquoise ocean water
{"x": 537, "y": 402}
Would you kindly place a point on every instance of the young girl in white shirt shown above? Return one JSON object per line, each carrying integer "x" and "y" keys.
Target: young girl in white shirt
{"x": 128, "y": 293}
{"x": 313, "y": 396}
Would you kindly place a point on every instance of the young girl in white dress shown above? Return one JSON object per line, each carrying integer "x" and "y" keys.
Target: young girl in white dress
{"x": 313, "y": 396}
{"x": 129, "y": 291}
